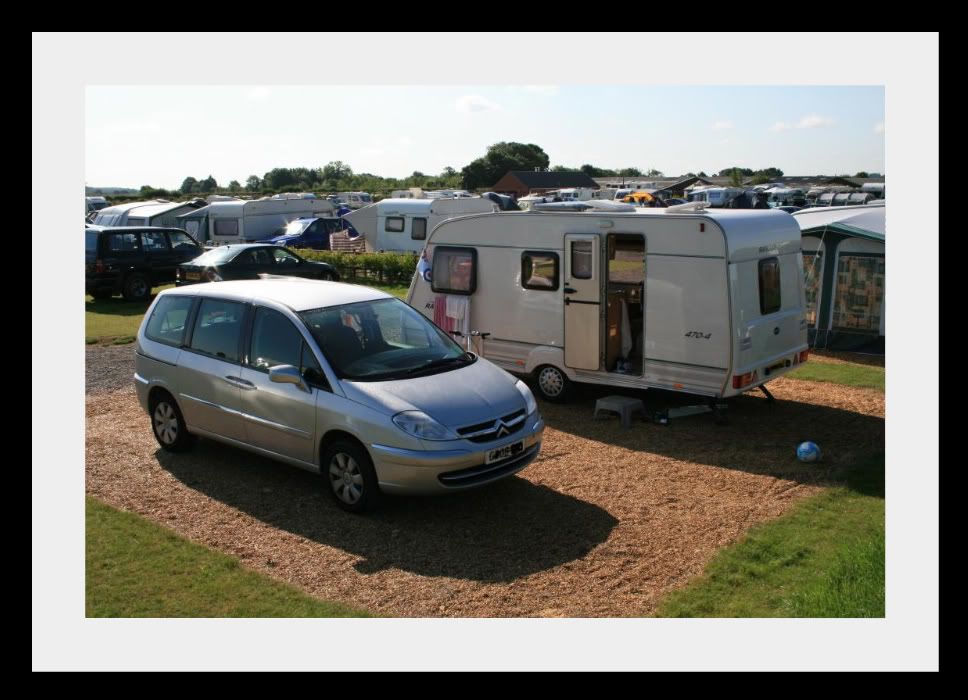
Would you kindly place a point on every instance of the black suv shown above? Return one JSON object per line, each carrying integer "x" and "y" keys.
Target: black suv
{"x": 130, "y": 260}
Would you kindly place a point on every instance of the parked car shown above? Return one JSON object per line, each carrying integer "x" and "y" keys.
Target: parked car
{"x": 338, "y": 379}
{"x": 307, "y": 233}
{"x": 245, "y": 261}
{"x": 130, "y": 260}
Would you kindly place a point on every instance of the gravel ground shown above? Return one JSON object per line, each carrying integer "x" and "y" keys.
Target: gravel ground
{"x": 603, "y": 524}
{"x": 109, "y": 368}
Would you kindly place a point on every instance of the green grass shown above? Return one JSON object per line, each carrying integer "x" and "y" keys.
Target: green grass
{"x": 138, "y": 569}
{"x": 823, "y": 559}
{"x": 850, "y": 374}
{"x": 397, "y": 290}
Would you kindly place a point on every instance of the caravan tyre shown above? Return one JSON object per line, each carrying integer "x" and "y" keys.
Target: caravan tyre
{"x": 553, "y": 384}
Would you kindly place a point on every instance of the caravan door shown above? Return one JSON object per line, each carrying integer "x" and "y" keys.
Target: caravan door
{"x": 583, "y": 301}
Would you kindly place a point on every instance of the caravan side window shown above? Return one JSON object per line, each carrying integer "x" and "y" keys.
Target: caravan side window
{"x": 395, "y": 224}
{"x": 581, "y": 260}
{"x": 539, "y": 270}
{"x": 769, "y": 286}
{"x": 226, "y": 227}
{"x": 454, "y": 270}
{"x": 419, "y": 232}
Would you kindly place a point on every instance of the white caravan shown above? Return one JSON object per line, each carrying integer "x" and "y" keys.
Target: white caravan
{"x": 240, "y": 220}
{"x": 702, "y": 302}
{"x": 403, "y": 224}
{"x": 154, "y": 212}
{"x": 355, "y": 200}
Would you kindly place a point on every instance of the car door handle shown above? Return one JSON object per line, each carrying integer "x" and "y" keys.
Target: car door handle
{"x": 569, "y": 290}
{"x": 239, "y": 382}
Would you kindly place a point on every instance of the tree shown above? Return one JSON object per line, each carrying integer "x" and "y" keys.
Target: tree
{"x": 417, "y": 173}
{"x": 234, "y": 186}
{"x": 770, "y": 172}
{"x": 701, "y": 174}
{"x": 189, "y": 185}
{"x": 561, "y": 169}
{"x": 862, "y": 173}
{"x": 253, "y": 184}
{"x": 728, "y": 172}
{"x": 654, "y": 173}
{"x": 208, "y": 185}
{"x": 448, "y": 172}
{"x": 630, "y": 172}
{"x": 337, "y": 170}
{"x": 499, "y": 159}
{"x": 591, "y": 170}
{"x": 735, "y": 177}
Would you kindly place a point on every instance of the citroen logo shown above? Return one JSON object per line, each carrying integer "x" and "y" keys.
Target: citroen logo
{"x": 503, "y": 430}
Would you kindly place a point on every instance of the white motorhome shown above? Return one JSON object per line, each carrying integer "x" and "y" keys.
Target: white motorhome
{"x": 155, "y": 212}
{"x": 403, "y": 224}
{"x": 240, "y": 220}
{"x": 685, "y": 299}
{"x": 715, "y": 196}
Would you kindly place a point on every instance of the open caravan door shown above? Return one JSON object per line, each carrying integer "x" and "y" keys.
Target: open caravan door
{"x": 583, "y": 301}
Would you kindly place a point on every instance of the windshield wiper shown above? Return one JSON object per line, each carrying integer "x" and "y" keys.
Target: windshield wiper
{"x": 442, "y": 362}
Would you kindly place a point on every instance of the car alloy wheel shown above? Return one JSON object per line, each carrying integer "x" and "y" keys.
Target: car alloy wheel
{"x": 165, "y": 422}
{"x": 345, "y": 478}
{"x": 551, "y": 382}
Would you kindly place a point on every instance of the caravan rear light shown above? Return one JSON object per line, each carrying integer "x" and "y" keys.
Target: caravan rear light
{"x": 803, "y": 355}
{"x": 741, "y": 380}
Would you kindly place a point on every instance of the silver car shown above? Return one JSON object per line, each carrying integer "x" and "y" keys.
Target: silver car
{"x": 338, "y": 379}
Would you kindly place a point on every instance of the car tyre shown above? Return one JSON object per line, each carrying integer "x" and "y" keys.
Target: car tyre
{"x": 552, "y": 384}
{"x": 350, "y": 477}
{"x": 136, "y": 288}
{"x": 168, "y": 424}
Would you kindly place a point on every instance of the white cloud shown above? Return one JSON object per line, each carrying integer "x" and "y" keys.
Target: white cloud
{"x": 373, "y": 151}
{"x": 543, "y": 90}
{"x": 405, "y": 141}
{"x": 122, "y": 128}
{"x": 722, "y": 124}
{"x": 812, "y": 121}
{"x": 475, "y": 103}
{"x": 879, "y": 128}
{"x": 259, "y": 94}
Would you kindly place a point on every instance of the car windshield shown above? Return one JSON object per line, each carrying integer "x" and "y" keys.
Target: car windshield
{"x": 294, "y": 228}
{"x": 216, "y": 256}
{"x": 381, "y": 340}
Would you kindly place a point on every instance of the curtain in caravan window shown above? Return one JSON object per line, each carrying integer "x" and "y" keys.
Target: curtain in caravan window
{"x": 419, "y": 232}
{"x": 454, "y": 270}
{"x": 226, "y": 227}
{"x": 581, "y": 260}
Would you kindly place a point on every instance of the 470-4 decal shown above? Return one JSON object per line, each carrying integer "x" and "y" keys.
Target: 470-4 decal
{"x": 699, "y": 334}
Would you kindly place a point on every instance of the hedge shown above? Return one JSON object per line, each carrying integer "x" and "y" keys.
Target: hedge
{"x": 383, "y": 268}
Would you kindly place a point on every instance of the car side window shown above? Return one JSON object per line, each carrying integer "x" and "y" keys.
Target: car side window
{"x": 284, "y": 257}
{"x": 154, "y": 241}
{"x": 181, "y": 241}
{"x": 217, "y": 329}
{"x": 246, "y": 257}
{"x": 275, "y": 341}
{"x": 123, "y": 242}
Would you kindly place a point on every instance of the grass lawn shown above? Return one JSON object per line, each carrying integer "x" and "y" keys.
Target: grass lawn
{"x": 138, "y": 569}
{"x": 847, "y": 373}
{"x": 823, "y": 559}
{"x": 115, "y": 321}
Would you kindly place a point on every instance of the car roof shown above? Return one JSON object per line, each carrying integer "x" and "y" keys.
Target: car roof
{"x": 123, "y": 229}
{"x": 297, "y": 293}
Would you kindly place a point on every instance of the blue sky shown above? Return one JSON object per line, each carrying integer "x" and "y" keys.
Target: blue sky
{"x": 158, "y": 135}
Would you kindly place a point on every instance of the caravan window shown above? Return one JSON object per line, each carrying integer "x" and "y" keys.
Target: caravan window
{"x": 769, "y": 286}
{"x": 395, "y": 224}
{"x": 581, "y": 260}
{"x": 454, "y": 270}
{"x": 419, "y": 232}
{"x": 226, "y": 227}
{"x": 539, "y": 270}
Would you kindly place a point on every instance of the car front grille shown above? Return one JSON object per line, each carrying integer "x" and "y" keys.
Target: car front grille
{"x": 494, "y": 429}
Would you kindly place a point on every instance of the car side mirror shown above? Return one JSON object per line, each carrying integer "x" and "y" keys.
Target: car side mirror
{"x": 287, "y": 374}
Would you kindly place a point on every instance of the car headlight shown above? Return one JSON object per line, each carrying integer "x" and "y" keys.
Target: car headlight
{"x": 525, "y": 392}
{"x": 419, "y": 424}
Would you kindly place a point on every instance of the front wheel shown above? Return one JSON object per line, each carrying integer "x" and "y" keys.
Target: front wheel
{"x": 352, "y": 480}
{"x": 552, "y": 383}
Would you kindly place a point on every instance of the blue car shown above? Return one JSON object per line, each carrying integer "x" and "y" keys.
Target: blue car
{"x": 306, "y": 233}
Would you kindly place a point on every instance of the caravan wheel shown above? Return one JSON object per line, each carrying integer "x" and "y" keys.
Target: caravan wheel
{"x": 553, "y": 384}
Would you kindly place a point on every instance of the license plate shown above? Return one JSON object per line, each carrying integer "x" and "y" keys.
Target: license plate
{"x": 193, "y": 275}
{"x": 504, "y": 452}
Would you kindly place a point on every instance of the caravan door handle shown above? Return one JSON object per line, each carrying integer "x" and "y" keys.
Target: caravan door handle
{"x": 569, "y": 290}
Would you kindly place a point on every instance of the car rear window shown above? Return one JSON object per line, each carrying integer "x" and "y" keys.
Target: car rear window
{"x": 90, "y": 241}
{"x": 167, "y": 322}
{"x": 217, "y": 329}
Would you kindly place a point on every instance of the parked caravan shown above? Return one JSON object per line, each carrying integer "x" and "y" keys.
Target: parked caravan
{"x": 785, "y": 197}
{"x": 155, "y": 212}
{"x": 403, "y": 224}
{"x": 355, "y": 200}
{"x": 241, "y": 221}
{"x": 95, "y": 203}
{"x": 707, "y": 302}
{"x": 715, "y": 196}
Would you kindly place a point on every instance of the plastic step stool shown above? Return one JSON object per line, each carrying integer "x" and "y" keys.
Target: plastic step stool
{"x": 622, "y": 405}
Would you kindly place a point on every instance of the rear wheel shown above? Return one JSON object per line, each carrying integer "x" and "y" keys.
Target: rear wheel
{"x": 352, "y": 480}
{"x": 136, "y": 287}
{"x": 552, "y": 383}
{"x": 168, "y": 425}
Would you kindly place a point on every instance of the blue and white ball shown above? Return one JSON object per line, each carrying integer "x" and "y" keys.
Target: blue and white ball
{"x": 808, "y": 452}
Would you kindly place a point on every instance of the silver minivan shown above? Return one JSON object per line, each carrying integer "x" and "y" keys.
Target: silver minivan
{"x": 339, "y": 379}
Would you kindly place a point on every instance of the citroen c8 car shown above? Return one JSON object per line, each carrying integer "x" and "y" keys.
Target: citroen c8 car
{"x": 338, "y": 379}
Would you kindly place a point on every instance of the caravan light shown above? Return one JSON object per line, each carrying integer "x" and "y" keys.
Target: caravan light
{"x": 803, "y": 355}
{"x": 741, "y": 380}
